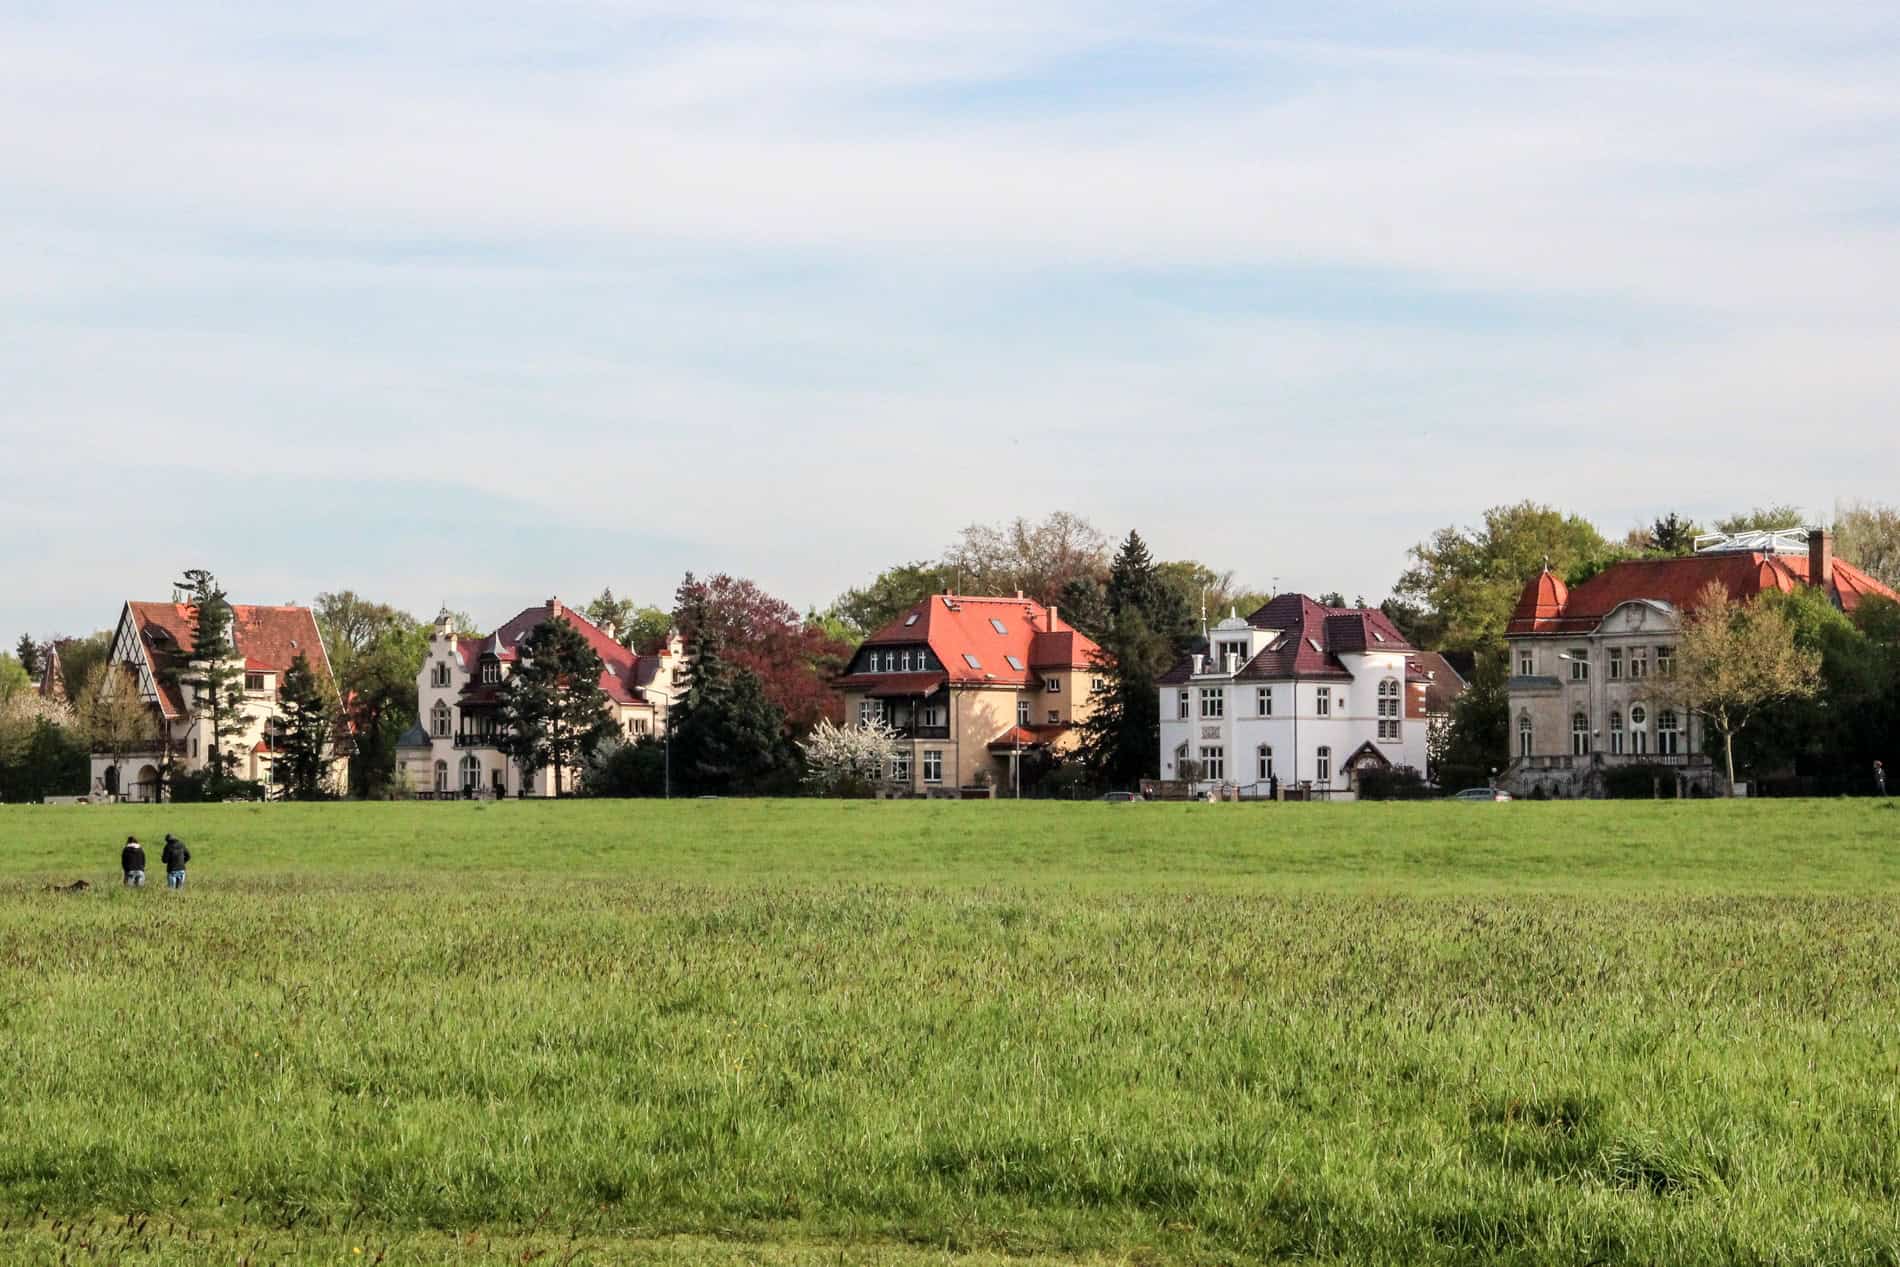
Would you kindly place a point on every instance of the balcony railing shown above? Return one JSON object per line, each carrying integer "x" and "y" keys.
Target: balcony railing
{"x": 477, "y": 740}
{"x": 1565, "y": 761}
{"x": 922, "y": 732}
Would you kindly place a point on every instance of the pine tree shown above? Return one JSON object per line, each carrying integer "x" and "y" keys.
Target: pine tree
{"x": 28, "y": 653}
{"x": 553, "y": 710}
{"x": 727, "y": 735}
{"x": 1121, "y": 739}
{"x": 303, "y": 766}
{"x": 215, "y": 674}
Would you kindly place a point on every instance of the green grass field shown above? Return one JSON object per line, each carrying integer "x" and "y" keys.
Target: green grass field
{"x": 794, "y": 1033}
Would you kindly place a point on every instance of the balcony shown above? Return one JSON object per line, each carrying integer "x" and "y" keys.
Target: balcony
{"x": 477, "y": 740}
{"x": 1607, "y": 760}
{"x": 922, "y": 732}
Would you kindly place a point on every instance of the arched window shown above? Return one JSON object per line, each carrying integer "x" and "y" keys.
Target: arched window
{"x": 1180, "y": 755}
{"x": 1616, "y": 731}
{"x": 1579, "y": 735}
{"x": 439, "y": 720}
{"x": 1324, "y": 772}
{"x": 1639, "y": 729}
{"x": 1390, "y": 693}
{"x": 471, "y": 773}
{"x": 1524, "y": 735}
{"x": 1668, "y": 733}
{"x": 441, "y": 776}
{"x": 1266, "y": 762}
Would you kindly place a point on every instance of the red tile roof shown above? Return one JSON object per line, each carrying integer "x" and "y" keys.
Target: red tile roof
{"x": 268, "y": 639}
{"x": 1026, "y": 737}
{"x": 620, "y": 674}
{"x": 954, "y": 626}
{"x": 1679, "y": 583}
{"x": 1312, "y": 638}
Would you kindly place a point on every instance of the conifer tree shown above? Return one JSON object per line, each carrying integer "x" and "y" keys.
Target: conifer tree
{"x": 553, "y": 710}
{"x": 28, "y": 653}
{"x": 215, "y": 674}
{"x": 303, "y": 766}
{"x": 1121, "y": 740}
{"x": 727, "y": 735}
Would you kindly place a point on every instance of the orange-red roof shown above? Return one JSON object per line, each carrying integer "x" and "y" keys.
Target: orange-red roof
{"x": 268, "y": 639}
{"x": 1026, "y": 736}
{"x": 1679, "y": 583}
{"x": 992, "y": 631}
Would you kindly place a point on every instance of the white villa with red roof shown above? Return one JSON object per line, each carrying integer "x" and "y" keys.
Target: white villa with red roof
{"x": 154, "y": 640}
{"x": 971, "y": 684}
{"x": 452, "y": 752}
{"x": 1588, "y": 664}
{"x": 1298, "y": 695}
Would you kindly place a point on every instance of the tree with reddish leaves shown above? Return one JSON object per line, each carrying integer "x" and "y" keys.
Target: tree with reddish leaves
{"x": 794, "y": 658}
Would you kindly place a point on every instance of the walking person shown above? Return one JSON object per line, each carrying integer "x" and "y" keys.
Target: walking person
{"x": 132, "y": 862}
{"x": 174, "y": 857}
{"x": 1880, "y": 779}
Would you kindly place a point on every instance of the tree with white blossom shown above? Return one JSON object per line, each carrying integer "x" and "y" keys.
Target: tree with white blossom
{"x": 848, "y": 760}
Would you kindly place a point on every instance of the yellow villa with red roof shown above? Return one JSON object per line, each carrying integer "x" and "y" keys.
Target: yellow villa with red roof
{"x": 970, "y": 685}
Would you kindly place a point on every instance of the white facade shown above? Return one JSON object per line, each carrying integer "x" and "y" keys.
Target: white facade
{"x": 461, "y": 757}
{"x": 1301, "y": 731}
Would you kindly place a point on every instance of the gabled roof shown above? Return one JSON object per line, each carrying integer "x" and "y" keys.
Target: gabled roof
{"x": 620, "y": 673}
{"x": 1678, "y": 583}
{"x": 1311, "y": 638}
{"x": 268, "y": 639}
{"x": 1433, "y": 682}
{"x": 954, "y": 626}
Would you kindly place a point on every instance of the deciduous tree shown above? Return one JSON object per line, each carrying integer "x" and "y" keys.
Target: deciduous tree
{"x": 848, "y": 760}
{"x": 1868, "y": 536}
{"x": 114, "y": 718}
{"x": 793, "y": 658}
{"x": 1762, "y": 519}
{"x": 1735, "y": 659}
{"x": 1468, "y": 579}
{"x": 376, "y": 652}
{"x": 893, "y": 592}
{"x": 1038, "y": 558}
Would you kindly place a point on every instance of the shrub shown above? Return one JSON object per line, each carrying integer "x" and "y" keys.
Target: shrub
{"x": 1639, "y": 782}
{"x": 1400, "y": 783}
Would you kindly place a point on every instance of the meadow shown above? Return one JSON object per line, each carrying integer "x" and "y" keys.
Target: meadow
{"x": 801, "y": 1032}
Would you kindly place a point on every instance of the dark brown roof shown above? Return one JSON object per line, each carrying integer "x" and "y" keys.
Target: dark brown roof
{"x": 621, "y": 674}
{"x": 1311, "y": 640}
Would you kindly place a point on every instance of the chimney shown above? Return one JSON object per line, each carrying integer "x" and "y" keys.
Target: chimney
{"x": 1820, "y": 557}
{"x": 1055, "y": 623}
{"x": 554, "y": 607}
{"x": 611, "y": 630}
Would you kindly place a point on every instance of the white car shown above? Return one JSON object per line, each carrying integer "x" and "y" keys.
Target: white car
{"x": 1482, "y": 794}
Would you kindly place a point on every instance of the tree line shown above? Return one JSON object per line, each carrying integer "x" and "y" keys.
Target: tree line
{"x": 760, "y": 673}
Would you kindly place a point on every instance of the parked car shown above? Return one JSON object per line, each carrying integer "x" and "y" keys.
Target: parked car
{"x": 1120, "y": 798}
{"x": 1482, "y": 794}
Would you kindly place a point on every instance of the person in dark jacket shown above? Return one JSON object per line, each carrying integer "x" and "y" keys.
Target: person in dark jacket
{"x": 132, "y": 862}
{"x": 174, "y": 857}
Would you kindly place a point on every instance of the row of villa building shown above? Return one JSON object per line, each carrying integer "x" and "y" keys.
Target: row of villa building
{"x": 1296, "y": 696}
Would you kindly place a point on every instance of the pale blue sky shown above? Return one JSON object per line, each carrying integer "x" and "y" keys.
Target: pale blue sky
{"x": 477, "y": 302}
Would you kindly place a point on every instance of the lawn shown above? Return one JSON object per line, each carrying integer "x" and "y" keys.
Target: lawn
{"x": 793, "y": 1032}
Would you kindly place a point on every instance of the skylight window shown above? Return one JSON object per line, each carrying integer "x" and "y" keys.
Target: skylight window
{"x": 910, "y": 620}
{"x": 1014, "y": 663}
{"x": 1312, "y": 643}
{"x": 1376, "y": 634}
{"x": 972, "y": 661}
{"x": 998, "y": 625}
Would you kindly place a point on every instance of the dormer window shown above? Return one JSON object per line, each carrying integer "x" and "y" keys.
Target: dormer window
{"x": 254, "y": 683}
